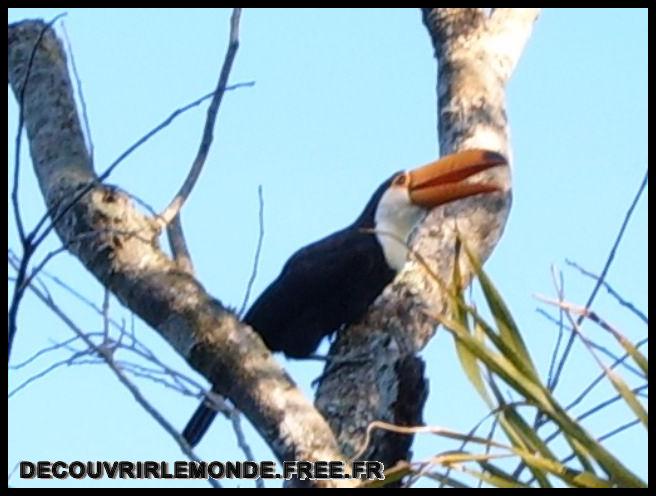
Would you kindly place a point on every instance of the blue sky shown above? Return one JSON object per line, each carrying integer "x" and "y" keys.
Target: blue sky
{"x": 342, "y": 99}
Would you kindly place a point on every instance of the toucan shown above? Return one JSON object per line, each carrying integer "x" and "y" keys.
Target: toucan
{"x": 331, "y": 282}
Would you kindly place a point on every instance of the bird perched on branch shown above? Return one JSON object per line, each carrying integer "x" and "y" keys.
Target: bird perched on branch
{"x": 331, "y": 282}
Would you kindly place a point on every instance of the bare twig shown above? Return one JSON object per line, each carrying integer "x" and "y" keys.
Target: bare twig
{"x": 156, "y": 376}
{"x": 445, "y": 481}
{"x": 72, "y": 291}
{"x": 559, "y": 285}
{"x": 619, "y": 429}
{"x": 56, "y": 213}
{"x": 602, "y": 276}
{"x": 13, "y": 471}
{"x": 105, "y": 317}
{"x": 602, "y": 375}
{"x": 605, "y": 403}
{"x": 181, "y": 382}
{"x": 32, "y": 240}
{"x": 21, "y": 101}
{"x": 600, "y": 406}
{"x": 235, "y": 418}
{"x": 179, "y": 248}
{"x": 493, "y": 413}
{"x": 62, "y": 249}
{"x": 22, "y": 279}
{"x": 617, "y": 383}
{"x": 186, "y": 298}
{"x": 611, "y": 291}
{"x": 602, "y": 438}
{"x": 26, "y": 242}
{"x": 80, "y": 94}
{"x": 584, "y": 312}
{"x": 596, "y": 346}
{"x": 178, "y": 245}
{"x": 56, "y": 346}
{"x": 49, "y": 256}
{"x": 67, "y": 361}
{"x": 256, "y": 260}
{"x": 107, "y": 356}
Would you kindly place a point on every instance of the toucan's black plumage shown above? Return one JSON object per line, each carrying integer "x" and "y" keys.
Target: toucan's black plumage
{"x": 323, "y": 286}
{"x": 332, "y": 282}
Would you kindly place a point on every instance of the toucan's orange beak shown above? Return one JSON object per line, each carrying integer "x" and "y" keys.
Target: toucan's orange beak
{"x": 444, "y": 181}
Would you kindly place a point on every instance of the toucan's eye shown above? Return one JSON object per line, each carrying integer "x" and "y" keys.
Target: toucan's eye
{"x": 400, "y": 180}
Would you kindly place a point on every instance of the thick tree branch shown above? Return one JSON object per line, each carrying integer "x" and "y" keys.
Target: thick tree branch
{"x": 229, "y": 354}
{"x": 476, "y": 55}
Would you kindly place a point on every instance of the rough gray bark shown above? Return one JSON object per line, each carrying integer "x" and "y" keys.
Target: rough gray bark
{"x": 476, "y": 55}
{"x": 119, "y": 246}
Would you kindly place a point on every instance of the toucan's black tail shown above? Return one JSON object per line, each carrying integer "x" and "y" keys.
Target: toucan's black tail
{"x": 198, "y": 424}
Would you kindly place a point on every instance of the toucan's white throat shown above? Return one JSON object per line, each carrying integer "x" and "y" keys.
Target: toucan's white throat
{"x": 396, "y": 217}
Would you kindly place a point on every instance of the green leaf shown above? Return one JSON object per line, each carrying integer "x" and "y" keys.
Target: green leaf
{"x": 508, "y": 330}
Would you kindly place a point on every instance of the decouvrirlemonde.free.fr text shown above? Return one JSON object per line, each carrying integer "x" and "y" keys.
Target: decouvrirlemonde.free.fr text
{"x": 361, "y": 469}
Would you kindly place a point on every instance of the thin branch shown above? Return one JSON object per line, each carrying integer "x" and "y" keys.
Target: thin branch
{"x": 156, "y": 376}
{"x": 76, "y": 239}
{"x": 17, "y": 296}
{"x": 165, "y": 123}
{"x": 146, "y": 281}
{"x": 32, "y": 240}
{"x": 602, "y": 376}
{"x": 80, "y": 94}
{"x": 23, "y": 280}
{"x": 110, "y": 346}
{"x": 45, "y": 371}
{"x": 559, "y": 284}
{"x": 21, "y": 103}
{"x": 178, "y": 245}
{"x": 26, "y": 243}
{"x": 72, "y": 291}
{"x": 493, "y": 413}
{"x": 602, "y": 276}
{"x": 636, "y": 407}
{"x": 49, "y": 256}
{"x": 605, "y": 403}
{"x": 56, "y": 346}
{"x": 591, "y": 315}
{"x": 609, "y": 434}
{"x": 109, "y": 360}
{"x": 445, "y": 481}
{"x": 598, "y": 347}
{"x": 179, "y": 248}
{"x": 135, "y": 347}
{"x": 619, "y": 429}
{"x": 179, "y": 378}
{"x": 105, "y": 317}
{"x": 235, "y": 418}
{"x": 611, "y": 291}
{"x": 600, "y": 406}
{"x": 13, "y": 471}
{"x": 256, "y": 260}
